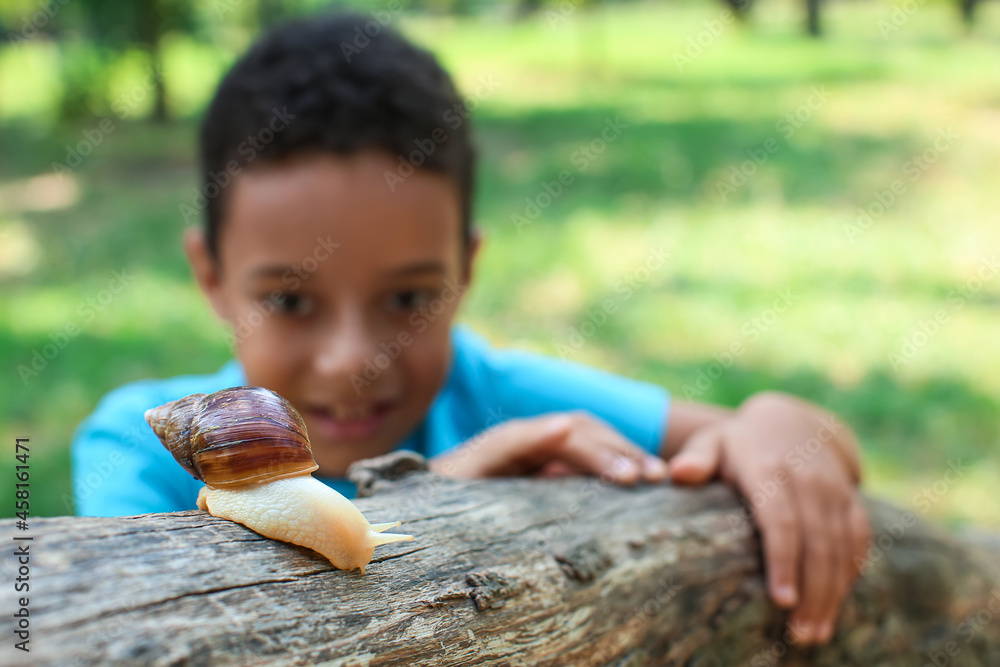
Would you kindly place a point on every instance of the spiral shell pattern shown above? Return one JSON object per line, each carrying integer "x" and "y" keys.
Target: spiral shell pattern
{"x": 235, "y": 437}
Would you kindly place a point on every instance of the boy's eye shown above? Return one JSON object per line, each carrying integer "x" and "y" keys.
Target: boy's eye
{"x": 409, "y": 300}
{"x": 290, "y": 304}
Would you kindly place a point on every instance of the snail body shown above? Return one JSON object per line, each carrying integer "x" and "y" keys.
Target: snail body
{"x": 250, "y": 447}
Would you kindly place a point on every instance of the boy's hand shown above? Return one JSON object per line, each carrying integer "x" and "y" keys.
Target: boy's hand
{"x": 555, "y": 444}
{"x": 798, "y": 467}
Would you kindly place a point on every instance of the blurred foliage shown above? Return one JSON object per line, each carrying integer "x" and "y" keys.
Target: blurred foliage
{"x": 93, "y": 36}
{"x": 562, "y": 74}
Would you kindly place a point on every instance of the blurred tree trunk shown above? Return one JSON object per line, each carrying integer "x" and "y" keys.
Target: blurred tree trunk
{"x": 740, "y": 8}
{"x": 526, "y": 8}
{"x": 150, "y": 33}
{"x": 812, "y": 18}
{"x": 968, "y": 8}
{"x": 97, "y": 32}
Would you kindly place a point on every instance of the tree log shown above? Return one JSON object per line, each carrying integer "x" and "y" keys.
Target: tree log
{"x": 502, "y": 572}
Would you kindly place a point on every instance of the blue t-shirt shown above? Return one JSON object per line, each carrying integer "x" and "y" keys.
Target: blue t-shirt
{"x": 120, "y": 468}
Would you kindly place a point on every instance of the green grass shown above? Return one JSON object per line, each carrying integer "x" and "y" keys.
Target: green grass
{"x": 655, "y": 185}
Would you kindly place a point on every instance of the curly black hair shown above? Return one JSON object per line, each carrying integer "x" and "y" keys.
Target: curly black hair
{"x": 339, "y": 82}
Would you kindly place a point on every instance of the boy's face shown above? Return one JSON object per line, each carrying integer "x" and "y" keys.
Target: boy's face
{"x": 341, "y": 293}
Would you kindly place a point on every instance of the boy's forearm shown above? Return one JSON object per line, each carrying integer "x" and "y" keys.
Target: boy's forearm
{"x": 685, "y": 419}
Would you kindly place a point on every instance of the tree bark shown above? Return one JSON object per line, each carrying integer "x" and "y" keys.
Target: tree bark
{"x": 502, "y": 572}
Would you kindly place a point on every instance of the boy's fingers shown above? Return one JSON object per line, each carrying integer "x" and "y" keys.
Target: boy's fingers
{"x": 560, "y": 469}
{"x": 699, "y": 457}
{"x": 598, "y": 449}
{"x": 557, "y": 444}
{"x": 655, "y": 469}
{"x": 855, "y": 531}
{"x": 525, "y": 446}
{"x": 507, "y": 449}
{"x": 845, "y": 570}
{"x": 846, "y": 527}
{"x": 820, "y": 565}
{"x": 781, "y": 531}
{"x": 861, "y": 533}
{"x": 621, "y": 461}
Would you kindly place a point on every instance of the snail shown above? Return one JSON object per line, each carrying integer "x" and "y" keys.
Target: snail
{"x": 250, "y": 447}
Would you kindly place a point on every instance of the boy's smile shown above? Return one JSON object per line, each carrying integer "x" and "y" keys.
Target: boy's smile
{"x": 341, "y": 294}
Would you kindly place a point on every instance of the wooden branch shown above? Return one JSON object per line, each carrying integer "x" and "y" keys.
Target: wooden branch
{"x": 506, "y": 572}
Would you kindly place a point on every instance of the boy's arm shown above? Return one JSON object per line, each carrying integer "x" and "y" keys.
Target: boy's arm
{"x": 554, "y": 444}
{"x": 798, "y": 467}
{"x": 796, "y": 464}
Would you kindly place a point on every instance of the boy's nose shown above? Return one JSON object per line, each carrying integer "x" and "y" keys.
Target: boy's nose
{"x": 345, "y": 348}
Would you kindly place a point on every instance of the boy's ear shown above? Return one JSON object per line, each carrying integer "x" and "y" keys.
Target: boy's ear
{"x": 206, "y": 270}
{"x": 471, "y": 253}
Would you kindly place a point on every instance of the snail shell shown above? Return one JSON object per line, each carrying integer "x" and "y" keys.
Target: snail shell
{"x": 251, "y": 448}
{"x": 235, "y": 436}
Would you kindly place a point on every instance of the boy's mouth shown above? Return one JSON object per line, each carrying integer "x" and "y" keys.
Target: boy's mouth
{"x": 350, "y": 422}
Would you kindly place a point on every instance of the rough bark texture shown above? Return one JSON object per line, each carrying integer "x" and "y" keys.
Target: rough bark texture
{"x": 506, "y": 572}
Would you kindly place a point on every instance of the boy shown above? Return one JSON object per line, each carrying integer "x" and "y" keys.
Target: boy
{"x": 340, "y": 265}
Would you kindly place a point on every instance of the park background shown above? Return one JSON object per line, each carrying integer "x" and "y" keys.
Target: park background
{"x": 854, "y": 173}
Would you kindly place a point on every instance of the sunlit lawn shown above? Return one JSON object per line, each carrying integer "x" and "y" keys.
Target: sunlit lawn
{"x": 858, "y": 293}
